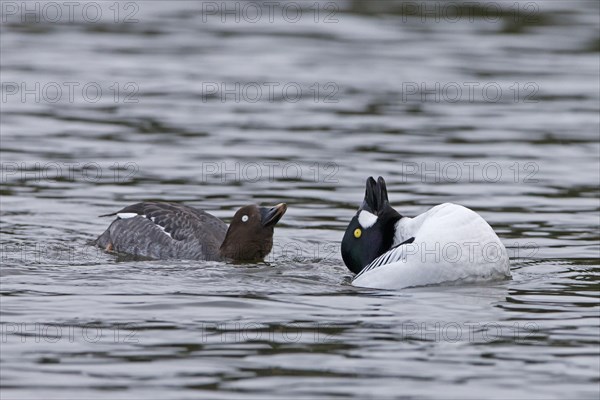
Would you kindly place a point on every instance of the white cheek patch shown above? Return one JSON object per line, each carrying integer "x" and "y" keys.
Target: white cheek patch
{"x": 366, "y": 219}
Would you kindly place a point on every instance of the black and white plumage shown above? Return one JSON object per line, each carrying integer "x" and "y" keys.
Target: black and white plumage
{"x": 448, "y": 243}
{"x": 159, "y": 230}
{"x": 395, "y": 254}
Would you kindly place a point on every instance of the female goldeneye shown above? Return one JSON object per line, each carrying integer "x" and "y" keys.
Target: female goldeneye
{"x": 158, "y": 230}
{"x": 449, "y": 243}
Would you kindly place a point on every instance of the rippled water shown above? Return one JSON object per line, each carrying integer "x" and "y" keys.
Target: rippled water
{"x": 490, "y": 105}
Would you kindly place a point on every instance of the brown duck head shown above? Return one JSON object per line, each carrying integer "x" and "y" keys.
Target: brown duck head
{"x": 250, "y": 233}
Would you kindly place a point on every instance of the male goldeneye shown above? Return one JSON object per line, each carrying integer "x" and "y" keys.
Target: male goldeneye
{"x": 448, "y": 243}
{"x": 158, "y": 230}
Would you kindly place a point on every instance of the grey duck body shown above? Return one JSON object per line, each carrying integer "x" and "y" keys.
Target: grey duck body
{"x": 159, "y": 230}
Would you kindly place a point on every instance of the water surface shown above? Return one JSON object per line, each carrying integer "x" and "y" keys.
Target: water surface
{"x": 492, "y": 108}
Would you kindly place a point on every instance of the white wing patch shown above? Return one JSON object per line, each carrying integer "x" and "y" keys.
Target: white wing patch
{"x": 129, "y": 215}
{"x": 164, "y": 231}
{"x": 366, "y": 219}
{"x": 162, "y": 228}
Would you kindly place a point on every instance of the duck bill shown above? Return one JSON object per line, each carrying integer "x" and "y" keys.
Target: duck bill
{"x": 270, "y": 216}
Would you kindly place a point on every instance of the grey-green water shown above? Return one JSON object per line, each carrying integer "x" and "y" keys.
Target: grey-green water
{"x": 491, "y": 105}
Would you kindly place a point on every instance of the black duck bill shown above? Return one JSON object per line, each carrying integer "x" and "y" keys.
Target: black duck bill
{"x": 271, "y": 216}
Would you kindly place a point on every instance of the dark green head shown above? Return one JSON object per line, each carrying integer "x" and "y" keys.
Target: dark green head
{"x": 371, "y": 231}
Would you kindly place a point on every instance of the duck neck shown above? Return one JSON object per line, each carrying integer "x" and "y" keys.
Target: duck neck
{"x": 245, "y": 248}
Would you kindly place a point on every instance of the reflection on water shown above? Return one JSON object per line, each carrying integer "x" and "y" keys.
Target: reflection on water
{"x": 491, "y": 105}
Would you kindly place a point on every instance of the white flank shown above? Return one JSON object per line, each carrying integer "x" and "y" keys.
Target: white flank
{"x": 366, "y": 219}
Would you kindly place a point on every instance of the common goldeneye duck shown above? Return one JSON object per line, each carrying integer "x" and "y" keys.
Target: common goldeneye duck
{"x": 160, "y": 230}
{"x": 448, "y": 243}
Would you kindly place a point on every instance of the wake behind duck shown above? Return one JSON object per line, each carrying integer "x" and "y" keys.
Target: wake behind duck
{"x": 447, "y": 244}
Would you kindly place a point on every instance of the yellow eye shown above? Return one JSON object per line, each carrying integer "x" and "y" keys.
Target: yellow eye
{"x": 357, "y": 233}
